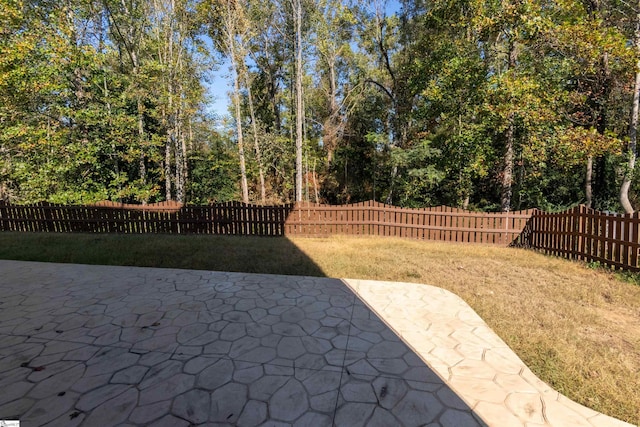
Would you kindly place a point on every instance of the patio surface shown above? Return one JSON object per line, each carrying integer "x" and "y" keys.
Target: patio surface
{"x": 99, "y": 346}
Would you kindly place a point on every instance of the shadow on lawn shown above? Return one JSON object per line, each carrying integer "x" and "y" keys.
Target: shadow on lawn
{"x": 248, "y": 254}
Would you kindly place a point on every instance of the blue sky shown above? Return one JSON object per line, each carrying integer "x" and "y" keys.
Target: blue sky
{"x": 218, "y": 89}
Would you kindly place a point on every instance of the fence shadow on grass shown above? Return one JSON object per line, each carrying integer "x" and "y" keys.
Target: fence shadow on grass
{"x": 277, "y": 255}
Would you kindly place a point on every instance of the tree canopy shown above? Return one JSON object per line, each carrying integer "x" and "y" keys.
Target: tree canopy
{"x": 481, "y": 104}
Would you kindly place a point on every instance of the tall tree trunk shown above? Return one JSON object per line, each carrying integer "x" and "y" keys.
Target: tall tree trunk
{"x": 506, "y": 191}
{"x": 394, "y": 174}
{"x": 182, "y": 191}
{"x": 130, "y": 38}
{"x": 243, "y": 167}
{"x": 182, "y": 167}
{"x": 141, "y": 143}
{"x": 167, "y": 169}
{"x": 140, "y": 113}
{"x": 141, "y": 136}
{"x": 330, "y": 134}
{"x": 256, "y": 144}
{"x": 315, "y": 183}
{"x": 273, "y": 99}
{"x": 231, "y": 48}
{"x": 507, "y": 171}
{"x": 600, "y": 184}
{"x": 170, "y": 140}
{"x": 299, "y": 106}
{"x": 589, "y": 182}
{"x": 179, "y": 147}
{"x": 633, "y": 129}
{"x": 114, "y": 153}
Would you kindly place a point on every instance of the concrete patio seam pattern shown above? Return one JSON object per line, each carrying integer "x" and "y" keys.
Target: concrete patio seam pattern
{"x": 97, "y": 345}
{"x": 94, "y": 345}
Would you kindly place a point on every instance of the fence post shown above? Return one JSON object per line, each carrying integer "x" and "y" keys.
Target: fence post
{"x": 635, "y": 239}
{"x": 577, "y": 231}
{"x": 4, "y": 217}
{"x": 505, "y": 237}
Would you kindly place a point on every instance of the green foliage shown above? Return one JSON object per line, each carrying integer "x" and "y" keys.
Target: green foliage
{"x": 359, "y": 172}
{"x": 438, "y": 103}
{"x": 214, "y": 178}
{"x": 416, "y": 177}
{"x": 629, "y": 277}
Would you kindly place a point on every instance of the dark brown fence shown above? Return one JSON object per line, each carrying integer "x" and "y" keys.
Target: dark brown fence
{"x": 585, "y": 234}
{"x": 225, "y": 218}
{"x": 436, "y": 223}
{"x": 169, "y": 206}
{"x": 366, "y": 219}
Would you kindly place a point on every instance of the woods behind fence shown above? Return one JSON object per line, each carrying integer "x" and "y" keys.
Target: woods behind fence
{"x": 305, "y": 219}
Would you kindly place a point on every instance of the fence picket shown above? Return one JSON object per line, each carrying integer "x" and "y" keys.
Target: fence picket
{"x": 584, "y": 234}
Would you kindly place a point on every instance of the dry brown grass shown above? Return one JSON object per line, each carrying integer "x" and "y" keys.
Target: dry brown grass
{"x": 577, "y": 328}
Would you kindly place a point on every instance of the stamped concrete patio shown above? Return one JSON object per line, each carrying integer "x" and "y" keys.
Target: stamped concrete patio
{"x": 98, "y": 346}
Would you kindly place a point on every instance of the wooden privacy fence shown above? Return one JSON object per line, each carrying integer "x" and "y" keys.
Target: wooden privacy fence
{"x": 305, "y": 219}
{"x": 585, "y": 234}
{"x": 436, "y": 223}
{"x": 169, "y": 206}
{"x": 225, "y": 218}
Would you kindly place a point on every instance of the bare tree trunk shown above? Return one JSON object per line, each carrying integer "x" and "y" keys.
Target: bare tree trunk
{"x": 299, "y": 105}
{"x": 141, "y": 142}
{"x": 315, "y": 183}
{"x": 243, "y": 167}
{"x": 589, "y": 182}
{"x": 163, "y": 34}
{"x": 169, "y": 149}
{"x": 167, "y": 165}
{"x": 182, "y": 167}
{"x": 236, "y": 102}
{"x": 184, "y": 172}
{"x": 179, "y": 146}
{"x": 394, "y": 174}
{"x": 509, "y": 152}
{"x": 633, "y": 130}
{"x": 272, "y": 71}
{"x": 330, "y": 134}
{"x": 231, "y": 48}
{"x": 114, "y": 155}
{"x": 141, "y": 136}
{"x": 507, "y": 171}
{"x": 256, "y": 143}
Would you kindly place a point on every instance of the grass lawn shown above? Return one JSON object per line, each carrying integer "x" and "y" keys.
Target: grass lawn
{"x": 577, "y": 328}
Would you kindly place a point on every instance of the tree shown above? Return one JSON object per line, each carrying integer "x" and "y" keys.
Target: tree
{"x": 128, "y": 23}
{"x": 227, "y": 27}
{"x": 333, "y": 34}
{"x": 299, "y": 113}
{"x": 633, "y": 125}
{"x": 589, "y": 47}
{"x": 178, "y": 91}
